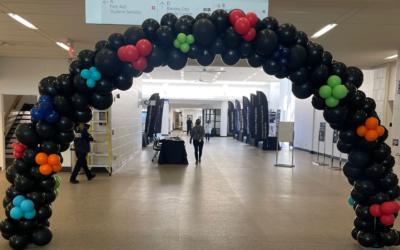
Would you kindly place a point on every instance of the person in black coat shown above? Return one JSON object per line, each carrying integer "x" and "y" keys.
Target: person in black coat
{"x": 189, "y": 126}
{"x": 82, "y": 148}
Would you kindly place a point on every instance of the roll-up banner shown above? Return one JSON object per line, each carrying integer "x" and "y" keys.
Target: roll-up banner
{"x": 151, "y": 116}
{"x": 246, "y": 116}
{"x": 253, "y": 116}
{"x": 238, "y": 116}
{"x": 231, "y": 117}
{"x": 264, "y": 118}
{"x": 158, "y": 122}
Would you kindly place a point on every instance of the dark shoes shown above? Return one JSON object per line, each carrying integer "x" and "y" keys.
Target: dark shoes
{"x": 93, "y": 175}
{"x": 74, "y": 182}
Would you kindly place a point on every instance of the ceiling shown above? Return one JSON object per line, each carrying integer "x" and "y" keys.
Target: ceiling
{"x": 368, "y": 31}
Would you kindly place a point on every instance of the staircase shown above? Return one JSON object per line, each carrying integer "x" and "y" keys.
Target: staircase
{"x": 13, "y": 120}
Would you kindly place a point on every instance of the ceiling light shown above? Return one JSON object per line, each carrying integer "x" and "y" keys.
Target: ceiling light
{"x": 63, "y": 46}
{"x": 222, "y": 68}
{"x": 324, "y": 30}
{"x": 23, "y": 21}
{"x": 391, "y": 57}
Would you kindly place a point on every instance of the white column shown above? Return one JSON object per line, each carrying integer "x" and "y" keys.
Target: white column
{"x": 224, "y": 119}
{"x": 2, "y": 146}
{"x": 165, "y": 118}
{"x": 396, "y": 114}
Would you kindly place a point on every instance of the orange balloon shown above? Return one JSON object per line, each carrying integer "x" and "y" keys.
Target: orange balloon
{"x": 46, "y": 169}
{"x": 41, "y": 158}
{"x": 371, "y": 135}
{"x": 380, "y": 130}
{"x": 54, "y": 160}
{"x": 57, "y": 168}
{"x": 371, "y": 123}
{"x": 361, "y": 131}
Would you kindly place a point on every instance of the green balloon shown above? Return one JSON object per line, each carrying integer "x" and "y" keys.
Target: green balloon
{"x": 333, "y": 81}
{"x": 177, "y": 44}
{"x": 190, "y": 39}
{"x": 331, "y": 102}
{"x": 339, "y": 92}
{"x": 56, "y": 192}
{"x": 58, "y": 182}
{"x": 185, "y": 48}
{"x": 325, "y": 91}
{"x": 181, "y": 38}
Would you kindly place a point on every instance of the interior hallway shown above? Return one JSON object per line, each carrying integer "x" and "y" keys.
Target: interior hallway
{"x": 236, "y": 199}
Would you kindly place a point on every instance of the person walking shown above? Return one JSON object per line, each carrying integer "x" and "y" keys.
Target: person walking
{"x": 189, "y": 125}
{"x": 197, "y": 135}
{"x": 82, "y": 148}
{"x": 208, "y": 128}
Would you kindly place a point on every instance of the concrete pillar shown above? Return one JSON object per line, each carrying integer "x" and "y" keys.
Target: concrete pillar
{"x": 224, "y": 119}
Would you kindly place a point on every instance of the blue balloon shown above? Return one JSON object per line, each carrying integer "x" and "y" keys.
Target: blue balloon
{"x": 276, "y": 56}
{"x": 30, "y": 215}
{"x": 16, "y": 213}
{"x": 90, "y": 83}
{"x": 350, "y": 200}
{"x": 285, "y": 52}
{"x": 18, "y": 200}
{"x": 93, "y": 69}
{"x": 36, "y": 115}
{"x": 46, "y": 108}
{"x": 53, "y": 117}
{"x": 45, "y": 98}
{"x": 27, "y": 206}
{"x": 283, "y": 62}
{"x": 85, "y": 74}
{"x": 96, "y": 76}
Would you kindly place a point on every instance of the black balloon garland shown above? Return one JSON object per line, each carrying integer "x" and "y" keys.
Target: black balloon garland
{"x": 280, "y": 49}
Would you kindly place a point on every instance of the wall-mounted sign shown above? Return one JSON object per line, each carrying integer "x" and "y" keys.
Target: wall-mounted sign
{"x": 134, "y": 12}
{"x": 148, "y": 102}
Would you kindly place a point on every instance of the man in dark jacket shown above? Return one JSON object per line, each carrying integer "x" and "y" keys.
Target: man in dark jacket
{"x": 189, "y": 125}
{"x": 82, "y": 148}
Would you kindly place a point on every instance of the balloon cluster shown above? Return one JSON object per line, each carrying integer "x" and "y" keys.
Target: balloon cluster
{"x": 22, "y": 208}
{"x": 48, "y": 163}
{"x": 18, "y": 149}
{"x": 385, "y": 212}
{"x": 233, "y": 36}
{"x": 371, "y": 131}
{"x": 92, "y": 75}
{"x": 333, "y": 91}
{"x": 183, "y": 42}
{"x": 136, "y": 54}
{"x": 58, "y": 183}
{"x": 45, "y": 110}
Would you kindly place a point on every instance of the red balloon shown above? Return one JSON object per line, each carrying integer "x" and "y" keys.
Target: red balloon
{"x": 235, "y": 15}
{"x": 387, "y": 208}
{"x": 131, "y": 53}
{"x": 19, "y": 148}
{"x": 375, "y": 210}
{"x": 17, "y": 155}
{"x": 396, "y": 206}
{"x": 140, "y": 64}
{"x": 120, "y": 54}
{"x": 252, "y": 17}
{"x": 250, "y": 35}
{"x": 144, "y": 47}
{"x": 242, "y": 26}
{"x": 14, "y": 144}
{"x": 387, "y": 220}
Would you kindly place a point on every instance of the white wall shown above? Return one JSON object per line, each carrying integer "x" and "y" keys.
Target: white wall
{"x": 224, "y": 119}
{"x": 165, "y": 118}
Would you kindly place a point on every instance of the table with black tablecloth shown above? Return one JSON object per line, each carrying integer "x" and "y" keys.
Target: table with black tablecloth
{"x": 172, "y": 151}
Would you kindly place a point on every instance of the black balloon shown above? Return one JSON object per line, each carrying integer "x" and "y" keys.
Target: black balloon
{"x": 340, "y": 69}
{"x": 231, "y": 37}
{"x": 8, "y": 211}
{"x": 355, "y": 76}
{"x": 204, "y": 31}
{"x": 352, "y": 172}
{"x": 86, "y": 59}
{"x": 115, "y": 41}
{"x": 259, "y": 25}
{"x": 363, "y": 224}
{"x": 314, "y": 53}
{"x": 26, "y": 134}
{"x": 389, "y": 162}
{"x": 266, "y": 42}
{"x": 129, "y": 70}
{"x": 375, "y": 170}
{"x": 123, "y": 82}
{"x": 100, "y": 101}
{"x": 24, "y": 183}
{"x": 389, "y": 238}
{"x": 50, "y": 146}
{"x": 283, "y": 73}
{"x": 65, "y": 137}
{"x": 74, "y": 68}
{"x": 27, "y": 226}
{"x": 384, "y": 136}
{"x": 157, "y": 56}
{"x": 176, "y": 60}
{"x": 319, "y": 104}
{"x": 99, "y": 46}
{"x": 271, "y": 67}
{"x": 107, "y": 62}
{"x": 351, "y": 93}
{"x": 8, "y": 226}
{"x": 105, "y": 85}
{"x": 195, "y": 51}
{"x": 381, "y": 152}
{"x": 363, "y": 213}
{"x": 64, "y": 124}
{"x": 357, "y": 118}
{"x": 297, "y": 56}
{"x": 133, "y": 34}
{"x": 50, "y": 196}
{"x": 230, "y": 57}
{"x": 148, "y": 69}
{"x": 169, "y": 19}
{"x": 83, "y": 116}
{"x": 301, "y": 38}
{"x": 37, "y": 197}
{"x": 44, "y": 213}
{"x": 348, "y": 135}
{"x": 286, "y": 34}
{"x": 246, "y": 48}
{"x": 319, "y": 74}
{"x": 64, "y": 84}
{"x": 21, "y": 166}
{"x": 18, "y": 242}
{"x": 165, "y": 36}
{"x": 41, "y": 236}
{"x": 11, "y": 174}
{"x": 6, "y": 201}
{"x": 379, "y": 197}
{"x": 150, "y": 26}
{"x": 255, "y": 60}
{"x": 356, "y": 196}
{"x": 45, "y": 129}
{"x": 218, "y": 46}
{"x": 327, "y": 58}
{"x": 29, "y": 154}
{"x": 270, "y": 23}
{"x": 12, "y": 192}
{"x": 62, "y": 104}
{"x": 394, "y": 193}
{"x": 79, "y": 101}
{"x": 80, "y": 84}
{"x": 47, "y": 86}
{"x": 364, "y": 186}
{"x": 354, "y": 233}
{"x": 299, "y": 75}
{"x": 206, "y": 58}
{"x": 367, "y": 238}
{"x": 183, "y": 25}
{"x": 388, "y": 181}
{"x": 220, "y": 18}
{"x": 202, "y": 16}
{"x": 35, "y": 173}
{"x": 303, "y": 90}
{"x": 367, "y": 145}
{"x": 358, "y": 100}
{"x": 369, "y": 105}
{"x": 336, "y": 115}
{"x": 359, "y": 158}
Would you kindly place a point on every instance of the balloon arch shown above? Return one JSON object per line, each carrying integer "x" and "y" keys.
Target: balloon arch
{"x": 280, "y": 49}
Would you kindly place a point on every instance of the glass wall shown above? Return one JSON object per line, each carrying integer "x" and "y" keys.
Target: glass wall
{"x": 214, "y": 116}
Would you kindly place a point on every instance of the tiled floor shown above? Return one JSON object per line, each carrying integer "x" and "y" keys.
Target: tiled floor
{"x": 236, "y": 199}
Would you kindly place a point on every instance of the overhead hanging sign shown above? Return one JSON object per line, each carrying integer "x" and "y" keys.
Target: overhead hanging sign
{"x": 129, "y": 12}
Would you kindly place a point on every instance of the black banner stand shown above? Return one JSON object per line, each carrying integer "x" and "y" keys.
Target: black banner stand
{"x": 321, "y": 138}
{"x": 334, "y": 141}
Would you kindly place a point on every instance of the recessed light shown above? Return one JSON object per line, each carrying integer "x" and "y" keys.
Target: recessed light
{"x": 23, "y": 21}
{"x": 63, "y": 46}
{"x": 391, "y": 57}
{"x": 324, "y": 30}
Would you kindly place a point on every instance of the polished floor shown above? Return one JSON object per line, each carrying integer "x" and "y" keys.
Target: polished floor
{"x": 234, "y": 200}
